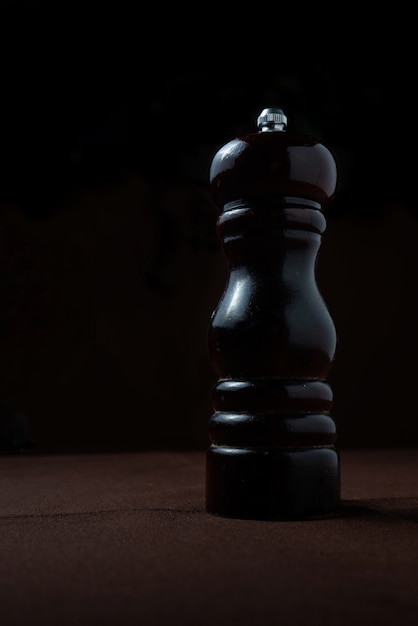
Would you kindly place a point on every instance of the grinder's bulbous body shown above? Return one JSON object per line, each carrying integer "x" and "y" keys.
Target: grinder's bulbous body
{"x": 271, "y": 338}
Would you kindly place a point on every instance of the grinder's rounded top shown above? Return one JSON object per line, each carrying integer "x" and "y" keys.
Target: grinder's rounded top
{"x": 272, "y": 163}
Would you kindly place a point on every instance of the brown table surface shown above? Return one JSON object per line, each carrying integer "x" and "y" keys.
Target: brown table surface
{"x": 123, "y": 538}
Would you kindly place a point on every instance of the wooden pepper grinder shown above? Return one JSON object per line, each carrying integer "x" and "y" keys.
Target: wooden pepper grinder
{"x": 271, "y": 338}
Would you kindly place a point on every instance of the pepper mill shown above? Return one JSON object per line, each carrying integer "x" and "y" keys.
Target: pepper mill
{"x": 271, "y": 339}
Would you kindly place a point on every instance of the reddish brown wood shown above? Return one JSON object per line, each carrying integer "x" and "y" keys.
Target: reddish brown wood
{"x": 271, "y": 338}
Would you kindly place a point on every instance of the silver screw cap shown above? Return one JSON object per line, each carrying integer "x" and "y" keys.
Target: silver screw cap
{"x": 271, "y": 120}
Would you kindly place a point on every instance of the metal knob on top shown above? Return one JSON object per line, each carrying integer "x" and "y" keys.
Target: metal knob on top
{"x": 271, "y": 119}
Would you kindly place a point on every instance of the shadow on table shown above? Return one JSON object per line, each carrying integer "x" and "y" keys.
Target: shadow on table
{"x": 388, "y": 509}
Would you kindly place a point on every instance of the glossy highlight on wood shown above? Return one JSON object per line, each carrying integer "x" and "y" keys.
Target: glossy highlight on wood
{"x": 271, "y": 339}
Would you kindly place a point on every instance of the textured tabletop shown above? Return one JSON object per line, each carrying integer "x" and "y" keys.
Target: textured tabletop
{"x": 124, "y": 539}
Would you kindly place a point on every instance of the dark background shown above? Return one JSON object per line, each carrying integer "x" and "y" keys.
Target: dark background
{"x": 109, "y": 263}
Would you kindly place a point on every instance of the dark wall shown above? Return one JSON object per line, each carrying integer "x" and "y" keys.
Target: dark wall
{"x": 110, "y": 267}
